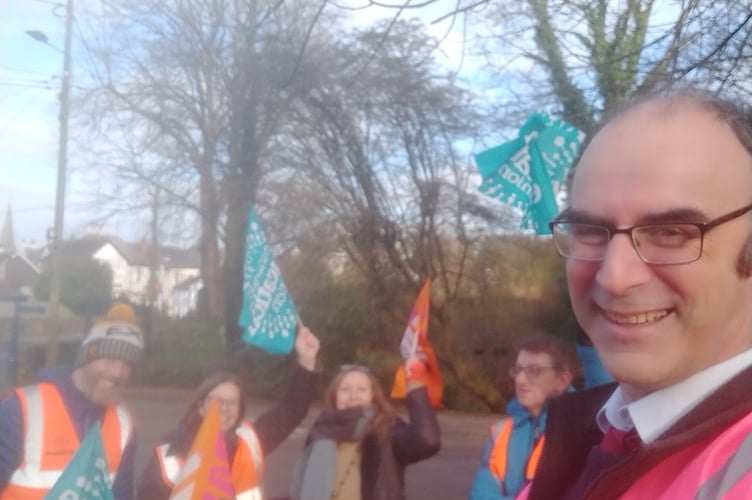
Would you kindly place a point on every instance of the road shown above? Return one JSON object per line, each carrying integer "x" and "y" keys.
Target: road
{"x": 446, "y": 476}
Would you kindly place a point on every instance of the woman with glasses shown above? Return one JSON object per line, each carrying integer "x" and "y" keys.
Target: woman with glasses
{"x": 247, "y": 444}
{"x": 358, "y": 448}
{"x": 545, "y": 367}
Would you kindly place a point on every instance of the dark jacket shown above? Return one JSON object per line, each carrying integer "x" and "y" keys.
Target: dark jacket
{"x": 383, "y": 461}
{"x": 572, "y": 466}
{"x": 83, "y": 413}
{"x": 271, "y": 427}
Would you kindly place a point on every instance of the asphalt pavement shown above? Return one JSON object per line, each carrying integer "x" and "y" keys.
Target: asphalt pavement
{"x": 446, "y": 476}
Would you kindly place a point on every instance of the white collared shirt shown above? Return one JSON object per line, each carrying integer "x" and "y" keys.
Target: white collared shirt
{"x": 652, "y": 415}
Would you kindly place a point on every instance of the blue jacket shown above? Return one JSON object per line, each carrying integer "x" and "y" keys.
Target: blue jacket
{"x": 595, "y": 372}
{"x": 526, "y": 430}
{"x": 83, "y": 413}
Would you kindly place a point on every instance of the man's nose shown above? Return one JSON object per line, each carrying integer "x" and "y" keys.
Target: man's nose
{"x": 621, "y": 267}
{"x": 121, "y": 369}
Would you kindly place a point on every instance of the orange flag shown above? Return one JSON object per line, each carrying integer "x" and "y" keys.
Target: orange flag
{"x": 415, "y": 341}
{"x": 206, "y": 471}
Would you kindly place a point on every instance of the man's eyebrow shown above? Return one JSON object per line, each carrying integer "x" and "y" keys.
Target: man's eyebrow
{"x": 582, "y": 217}
{"x": 673, "y": 216}
{"x": 676, "y": 215}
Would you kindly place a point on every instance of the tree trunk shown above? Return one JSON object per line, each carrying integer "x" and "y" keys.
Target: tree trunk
{"x": 210, "y": 257}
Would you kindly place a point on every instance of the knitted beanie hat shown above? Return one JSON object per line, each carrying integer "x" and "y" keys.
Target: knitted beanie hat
{"x": 116, "y": 336}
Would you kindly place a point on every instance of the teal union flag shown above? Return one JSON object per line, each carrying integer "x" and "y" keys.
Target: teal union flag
{"x": 86, "y": 476}
{"x": 529, "y": 171}
{"x": 268, "y": 316}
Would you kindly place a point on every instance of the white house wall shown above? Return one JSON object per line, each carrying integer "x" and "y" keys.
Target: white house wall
{"x": 120, "y": 270}
{"x": 171, "y": 277}
{"x": 185, "y": 299}
{"x": 132, "y": 280}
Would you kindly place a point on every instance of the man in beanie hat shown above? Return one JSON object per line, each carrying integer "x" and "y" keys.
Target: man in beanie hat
{"x": 42, "y": 425}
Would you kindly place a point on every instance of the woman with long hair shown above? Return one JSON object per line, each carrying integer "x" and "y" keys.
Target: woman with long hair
{"x": 247, "y": 444}
{"x": 358, "y": 448}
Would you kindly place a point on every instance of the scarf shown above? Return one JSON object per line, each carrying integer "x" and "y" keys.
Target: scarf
{"x": 313, "y": 477}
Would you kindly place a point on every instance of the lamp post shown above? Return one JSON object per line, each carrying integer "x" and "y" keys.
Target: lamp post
{"x": 53, "y": 313}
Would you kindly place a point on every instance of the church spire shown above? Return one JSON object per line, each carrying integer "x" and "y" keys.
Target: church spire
{"x": 6, "y": 234}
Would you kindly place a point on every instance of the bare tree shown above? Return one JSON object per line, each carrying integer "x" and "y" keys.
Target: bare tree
{"x": 377, "y": 162}
{"x": 187, "y": 96}
{"x": 580, "y": 58}
{"x": 585, "y": 57}
{"x": 358, "y": 146}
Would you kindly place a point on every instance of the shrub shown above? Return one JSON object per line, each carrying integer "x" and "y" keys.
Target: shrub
{"x": 182, "y": 352}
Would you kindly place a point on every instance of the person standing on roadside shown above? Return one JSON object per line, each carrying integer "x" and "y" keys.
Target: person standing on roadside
{"x": 42, "y": 425}
{"x": 658, "y": 245}
{"x": 545, "y": 367}
{"x": 247, "y": 443}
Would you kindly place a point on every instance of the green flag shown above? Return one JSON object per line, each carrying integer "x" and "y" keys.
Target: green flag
{"x": 268, "y": 316}
{"x": 86, "y": 476}
{"x": 528, "y": 172}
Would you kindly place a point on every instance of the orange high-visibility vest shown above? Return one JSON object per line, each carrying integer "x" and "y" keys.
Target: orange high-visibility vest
{"x": 50, "y": 440}
{"x": 497, "y": 461}
{"x": 247, "y": 470}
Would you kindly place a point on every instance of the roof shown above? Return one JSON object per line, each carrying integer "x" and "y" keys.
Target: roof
{"x": 34, "y": 254}
{"x": 85, "y": 246}
{"x": 181, "y": 257}
{"x": 17, "y": 272}
{"x": 136, "y": 254}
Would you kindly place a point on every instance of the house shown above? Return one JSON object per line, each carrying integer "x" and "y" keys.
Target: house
{"x": 185, "y": 297}
{"x": 17, "y": 274}
{"x": 18, "y": 268}
{"x": 140, "y": 272}
{"x": 17, "y": 277}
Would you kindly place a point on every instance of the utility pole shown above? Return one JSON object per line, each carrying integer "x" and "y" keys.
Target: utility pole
{"x": 62, "y": 158}
{"x": 153, "y": 286}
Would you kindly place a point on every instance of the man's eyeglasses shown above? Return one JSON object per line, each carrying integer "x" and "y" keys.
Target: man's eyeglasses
{"x": 531, "y": 371}
{"x": 666, "y": 243}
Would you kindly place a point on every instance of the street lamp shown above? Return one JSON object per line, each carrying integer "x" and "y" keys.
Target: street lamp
{"x": 41, "y": 37}
{"x": 53, "y": 313}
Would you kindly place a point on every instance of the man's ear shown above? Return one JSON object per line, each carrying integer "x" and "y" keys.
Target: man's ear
{"x": 565, "y": 378}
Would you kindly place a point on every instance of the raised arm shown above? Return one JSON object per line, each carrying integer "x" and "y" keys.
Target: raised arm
{"x": 274, "y": 425}
{"x": 306, "y": 348}
{"x": 420, "y": 438}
